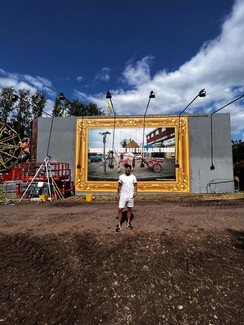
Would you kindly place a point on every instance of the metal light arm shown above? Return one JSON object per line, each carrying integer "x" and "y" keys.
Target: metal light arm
{"x": 202, "y": 93}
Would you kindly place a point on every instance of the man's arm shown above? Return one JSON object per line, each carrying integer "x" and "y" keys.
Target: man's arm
{"x": 118, "y": 190}
{"x": 135, "y": 189}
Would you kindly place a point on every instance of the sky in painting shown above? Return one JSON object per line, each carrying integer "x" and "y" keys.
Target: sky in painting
{"x": 84, "y": 48}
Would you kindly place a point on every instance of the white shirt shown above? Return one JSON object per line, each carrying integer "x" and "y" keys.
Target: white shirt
{"x": 127, "y": 182}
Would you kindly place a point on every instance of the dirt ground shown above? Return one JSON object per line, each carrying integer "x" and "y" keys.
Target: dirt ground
{"x": 182, "y": 263}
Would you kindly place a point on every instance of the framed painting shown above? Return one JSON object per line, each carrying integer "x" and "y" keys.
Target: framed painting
{"x": 155, "y": 147}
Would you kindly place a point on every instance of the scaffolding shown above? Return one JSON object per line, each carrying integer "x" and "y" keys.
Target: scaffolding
{"x": 39, "y": 188}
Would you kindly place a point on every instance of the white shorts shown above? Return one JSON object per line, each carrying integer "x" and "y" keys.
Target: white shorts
{"x": 126, "y": 201}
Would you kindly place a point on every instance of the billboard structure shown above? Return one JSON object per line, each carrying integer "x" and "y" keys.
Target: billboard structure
{"x": 171, "y": 154}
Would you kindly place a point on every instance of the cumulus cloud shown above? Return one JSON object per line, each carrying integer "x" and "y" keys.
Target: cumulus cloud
{"x": 218, "y": 67}
{"x": 139, "y": 73}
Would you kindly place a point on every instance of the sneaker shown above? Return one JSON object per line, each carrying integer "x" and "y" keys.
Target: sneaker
{"x": 129, "y": 226}
{"x": 118, "y": 228}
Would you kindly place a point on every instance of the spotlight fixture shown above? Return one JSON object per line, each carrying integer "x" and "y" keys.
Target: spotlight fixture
{"x": 61, "y": 96}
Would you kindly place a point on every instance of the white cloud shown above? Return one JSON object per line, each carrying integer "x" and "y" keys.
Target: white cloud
{"x": 103, "y": 75}
{"x": 218, "y": 67}
{"x": 79, "y": 78}
{"x": 48, "y": 107}
{"x": 20, "y": 81}
{"x": 139, "y": 73}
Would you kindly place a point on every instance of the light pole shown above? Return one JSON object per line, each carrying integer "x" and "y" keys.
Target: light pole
{"x": 109, "y": 96}
{"x": 151, "y": 95}
{"x": 202, "y": 93}
{"x": 62, "y": 97}
{"x": 104, "y": 146}
{"x": 212, "y": 167}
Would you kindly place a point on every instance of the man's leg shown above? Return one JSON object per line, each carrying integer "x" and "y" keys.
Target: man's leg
{"x": 129, "y": 210}
{"x": 120, "y": 211}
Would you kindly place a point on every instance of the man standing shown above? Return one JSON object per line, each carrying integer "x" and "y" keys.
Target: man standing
{"x": 127, "y": 190}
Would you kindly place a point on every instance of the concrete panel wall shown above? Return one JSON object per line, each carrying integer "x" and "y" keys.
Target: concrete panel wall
{"x": 200, "y": 153}
{"x": 62, "y": 140}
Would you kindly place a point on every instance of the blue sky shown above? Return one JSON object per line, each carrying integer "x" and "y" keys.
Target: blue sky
{"x": 84, "y": 48}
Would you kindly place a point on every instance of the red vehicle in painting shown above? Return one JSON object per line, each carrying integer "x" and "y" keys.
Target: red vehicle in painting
{"x": 154, "y": 164}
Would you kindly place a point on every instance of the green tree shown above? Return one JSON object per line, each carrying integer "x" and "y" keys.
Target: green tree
{"x": 93, "y": 110}
{"x": 75, "y": 108}
{"x": 58, "y": 108}
{"x": 19, "y": 109}
{"x": 6, "y": 104}
{"x": 38, "y": 102}
{"x": 22, "y": 114}
{"x": 237, "y": 150}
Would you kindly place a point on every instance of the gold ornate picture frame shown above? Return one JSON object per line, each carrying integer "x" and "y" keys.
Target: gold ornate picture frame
{"x": 157, "y": 148}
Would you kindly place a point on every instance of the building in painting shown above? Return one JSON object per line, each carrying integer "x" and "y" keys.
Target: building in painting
{"x": 161, "y": 138}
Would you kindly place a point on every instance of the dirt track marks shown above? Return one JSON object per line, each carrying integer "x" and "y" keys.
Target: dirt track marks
{"x": 215, "y": 203}
{"x": 37, "y": 282}
{"x": 86, "y": 278}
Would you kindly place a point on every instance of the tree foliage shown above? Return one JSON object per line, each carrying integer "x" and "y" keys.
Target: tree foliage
{"x": 238, "y": 150}
{"x": 6, "y": 104}
{"x": 75, "y": 108}
{"x": 19, "y": 109}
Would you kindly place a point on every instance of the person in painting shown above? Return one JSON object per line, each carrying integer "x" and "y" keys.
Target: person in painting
{"x": 111, "y": 159}
{"x": 127, "y": 190}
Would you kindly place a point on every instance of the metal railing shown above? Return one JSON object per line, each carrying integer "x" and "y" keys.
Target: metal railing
{"x": 8, "y": 192}
{"x": 221, "y": 186}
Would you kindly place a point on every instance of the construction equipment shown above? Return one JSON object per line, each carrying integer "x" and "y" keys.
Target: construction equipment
{"x": 29, "y": 179}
